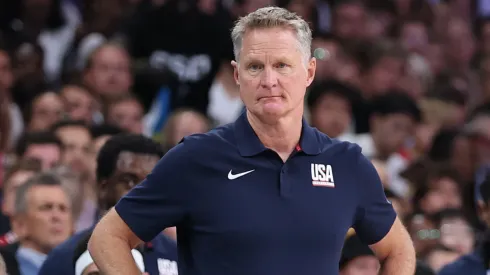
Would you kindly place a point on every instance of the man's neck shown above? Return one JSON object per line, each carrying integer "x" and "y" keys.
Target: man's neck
{"x": 282, "y": 136}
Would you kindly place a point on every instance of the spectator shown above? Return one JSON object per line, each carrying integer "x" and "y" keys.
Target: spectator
{"x": 79, "y": 156}
{"x": 122, "y": 162}
{"x": 101, "y": 134}
{"x": 46, "y": 109}
{"x": 107, "y": 72}
{"x": 43, "y": 146}
{"x": 79, "y": 103}
{"x": 330, "y": 104}
{"x": 126, "y": 112}
{"x": 42, "y": 220}
{"x": 440, "y": 256}
{"x": 14, "y": 178}
{"x": 349, "y": 20}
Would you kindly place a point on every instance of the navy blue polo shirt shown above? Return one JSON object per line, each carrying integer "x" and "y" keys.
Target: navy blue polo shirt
{"x": 159, "y": 255}
{"x": 468, "y": 264}
{"x": 239, "y": 209}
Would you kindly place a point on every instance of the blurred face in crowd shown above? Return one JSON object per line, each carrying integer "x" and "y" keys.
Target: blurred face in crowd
{"x": 99, "y": 142}
{"x": 272, "y": 73}
{"x": 47, "y": 221}
{"x": 79, "y": 103}
{"x": 438, "y": 258}
{"x": 385, "y": 74}
{"x": 47, "y": 109}
{"x": 109, "y": 74}
{"x": 423, "y": 233}
{"x": 458, "y": 235}
{"x": 443, "y": 193}
{"x": 460, "y": 45}
{"x": 349, "y": 21}
{"x": 28, "y": 68}
{"x": 131, "y": 169}
{"x": 391, "y": 131}
{"x": 127, "y": 115}
{"x": 6, "y": 76}
{"x": 481, "y": 139}
{"x": 362, "y": 265}
{"x": 48, "y": 154}
{"x": 414, "y": 37}
{"x": 185, "y": 124}
{"x": 78, "y": 153}
{"x": 9, "y": 189}
{"x": 332, "y": 115}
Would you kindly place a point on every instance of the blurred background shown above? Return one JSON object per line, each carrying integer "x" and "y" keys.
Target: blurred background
{"x": 408, "y": 80}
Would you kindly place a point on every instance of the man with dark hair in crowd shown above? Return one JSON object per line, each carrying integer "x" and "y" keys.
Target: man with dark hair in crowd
{"x": 330, "y": 104}
{"x": 44, "y": 146}
{"x": 123, "y": 162}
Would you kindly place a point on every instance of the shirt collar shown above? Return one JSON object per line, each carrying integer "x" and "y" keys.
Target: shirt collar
{"x": 249, "y": 143}
{"x": 35, "y": 257}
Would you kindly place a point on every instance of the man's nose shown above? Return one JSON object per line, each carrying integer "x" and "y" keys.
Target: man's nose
{"x": 268, "y": 78}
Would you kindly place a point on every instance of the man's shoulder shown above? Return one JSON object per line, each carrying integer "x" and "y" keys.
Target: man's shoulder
{"x": 467, "y": 264}
{"x": 205, "y": 142}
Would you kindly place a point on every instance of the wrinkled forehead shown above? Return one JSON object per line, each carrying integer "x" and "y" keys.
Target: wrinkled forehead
{"x": 136, "y": 162}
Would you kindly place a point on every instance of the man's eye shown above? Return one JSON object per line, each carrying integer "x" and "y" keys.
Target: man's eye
{"x": 282, "y": 65}
{"x": 254, "y": 67}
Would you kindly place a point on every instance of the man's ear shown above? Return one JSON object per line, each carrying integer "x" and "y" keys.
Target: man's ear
{"x": 235, "y": 71}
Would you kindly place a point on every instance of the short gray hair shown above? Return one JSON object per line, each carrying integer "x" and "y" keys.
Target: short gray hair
{"x": 72, "y": 183}
{"x": 270, "y": 17}
{"x": 43, "y": 179}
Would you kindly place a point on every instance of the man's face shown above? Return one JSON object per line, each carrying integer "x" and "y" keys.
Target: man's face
{"x": 110, "y": 73}
{"x": 47, "y": 221}
{"x": 48, "y": 154}
{"x": 10, "y": 188}
{"x": 272, "y": 74}
{"x": 448, "y": 188}
{"x": 363, "y": 265}
{"x": 6, "y": 76}
{"x": 391, "y": 131}
{"x": 349, "y": 22}
{"x": 47, "y": 109}
{"x": 127, "y": 115}
{"x": 79, "y": 104}
{"x": 131, "y": 169}
{"x": 78, "y": 145}
{"x": 332, "y": 115}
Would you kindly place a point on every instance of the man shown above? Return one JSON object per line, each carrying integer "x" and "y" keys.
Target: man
{"x": 330, "y": 104}
{"x": 123, "y": 161}
{"x": 107, "y": 72}
{"x": 42, "y": 220}
{"x": 79, "y": 102}
{"x": 254, "y": 207}
{"x": 14, "y": 178}
{"x": 126, "y": 112}
{"x": 476, "y": 262}
{"x": 43, "y": 146}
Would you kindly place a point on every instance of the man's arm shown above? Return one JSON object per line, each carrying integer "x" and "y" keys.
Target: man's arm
{"x": 110, "y": 246}
{"x": 396, "y": 251}
{"x": 157, "y": 203}
{"x": 377, "y": 225}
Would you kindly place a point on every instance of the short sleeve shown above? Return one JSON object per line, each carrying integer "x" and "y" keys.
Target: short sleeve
{"x": 375, "y": 214}
{"x": 157, "y": 202}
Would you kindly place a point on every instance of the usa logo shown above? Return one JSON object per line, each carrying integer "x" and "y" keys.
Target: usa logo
{"x": 322, "y": 175}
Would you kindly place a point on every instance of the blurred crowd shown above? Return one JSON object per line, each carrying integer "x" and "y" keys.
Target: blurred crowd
{"x": 94, "y": 92}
